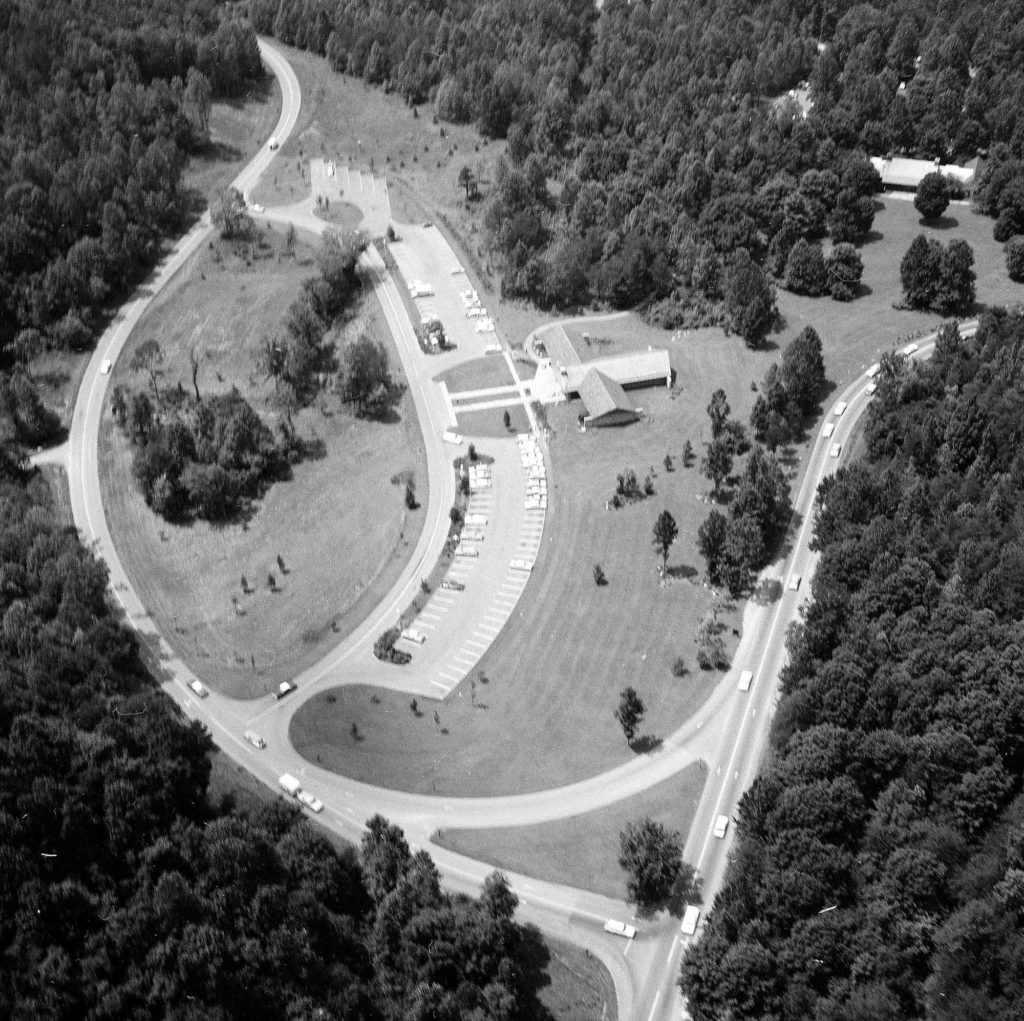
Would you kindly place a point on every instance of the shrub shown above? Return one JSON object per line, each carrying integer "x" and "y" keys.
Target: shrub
{"x": 1015, "y": 258}
{"x": 384, "y": 648}
{"x": 679, "y": 667}
{"x": 599, "y": 575}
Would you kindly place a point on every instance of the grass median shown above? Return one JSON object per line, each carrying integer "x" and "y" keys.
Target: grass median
{"x": 340, "y": 524}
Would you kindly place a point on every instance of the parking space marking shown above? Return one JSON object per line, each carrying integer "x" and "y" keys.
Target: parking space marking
{"x": 476, "y": 644}
{"x": 448, "y": 677}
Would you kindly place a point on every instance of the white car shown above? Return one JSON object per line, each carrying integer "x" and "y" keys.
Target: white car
{"x": 871, "y": 388}
{"x": 199, "y": 688}
{"x": 691, "y": 916}
{"x": 721, "y": 825}
{"x": 617, "y": 928}
{"x": 746, "y": 679}
{"x": 256, "y": 207}
{"x": 910, "y": 349}
{"x": 449, "y": 436}
{"x": 311, "y": 801}
{"x": 835, "y": 450}
{"x": 284, "y": 688}
{"x": 839, "y": 408}
{"x": 827, "y": 429}
{"x": 106, "y": 366}
{"x": 794, "y": 582}
{"x": 254, "y": 739}
{"x": 273, "y": 143}
{"x": 410, "y": 634}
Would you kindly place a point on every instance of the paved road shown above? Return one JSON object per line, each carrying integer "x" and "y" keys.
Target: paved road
{"x": 728, "y": 733}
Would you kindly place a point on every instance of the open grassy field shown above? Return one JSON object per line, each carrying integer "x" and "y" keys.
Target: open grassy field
{"x": 345, "y": 119}
{"x": 238, "y": 128}
{"x": 582, "y": 850}
{"x": 555, "y": 672}
{"x": 340, "y": 524}
{"x": 855, "y": 333}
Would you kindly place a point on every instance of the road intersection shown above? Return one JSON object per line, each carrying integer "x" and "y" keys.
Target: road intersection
{"x": 727, "y": 735}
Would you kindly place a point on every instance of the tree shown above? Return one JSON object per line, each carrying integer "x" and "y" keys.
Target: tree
{"x": 954, "y": 294}
{"x": 749, "y": 298}
{"x": 363, "y": 372}
{"x": 803, "y": 370}
{"x": 718, "y": 412}
{"x": 742, "y": 554}
{"x": 919, "y": 271}
{"x": 385, "y": 857}
{"x": 630, "y": 712}
{"x": 467, "y": 181}
{"x": 844, "y": 268}
{"x": 652, "y": 858}
{"x": 1015, "y": 258}
{"x": 198, "y": 98}
{"x": 711, "y": 543}
{"x": 852, "y": 217}
{"x": 932, "y": 196}
{"x": 289, "y": 240}
{"x": 805, "y": 269}
{"x": 665, "y": 532}
{"x": 193, "y": 361}
{"x": 717, "y": 463}
{"x": 148, "y": 358}
{"x": 229, "y": 216}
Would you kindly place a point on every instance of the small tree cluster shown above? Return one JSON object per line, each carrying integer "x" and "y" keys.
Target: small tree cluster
{"x": 933, "y": 195}
{"x": 364, "y": 377}
{"x": 710, "y": 645}
{"x": 938, "y": 277}
{"x": 384, "y": 648}
{"x": 1015, "y": 258}
{"x": 629, "y": 490}
{"x": 652, "y": 858}
{"x": 735, "y": 547}
{"x": 791, "y": 392}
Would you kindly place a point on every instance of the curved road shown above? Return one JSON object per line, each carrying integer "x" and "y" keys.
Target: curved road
{"x": 727, "y": 734}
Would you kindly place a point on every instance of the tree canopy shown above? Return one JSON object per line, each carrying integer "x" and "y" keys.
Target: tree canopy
{"x": 893, "y": 790}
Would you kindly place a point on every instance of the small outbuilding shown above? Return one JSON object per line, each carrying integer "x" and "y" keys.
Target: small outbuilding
{"x": 606, "y": 401}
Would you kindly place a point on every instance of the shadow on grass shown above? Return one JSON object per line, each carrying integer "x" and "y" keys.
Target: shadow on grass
{"x": 940, "y": 223}
{"x": 682, "y": 572}
{"x": 646, "y": 743}
{"x": 533, "y": 959}
{"x": 767, "y": 592}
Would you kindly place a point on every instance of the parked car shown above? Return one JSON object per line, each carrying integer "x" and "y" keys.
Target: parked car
{"x": 106, "y": 366}
{"x": 617, "y": 928}
{"x": 199, "y": 688}
{"x": 410, "y": 634}
{"x": 690, "y": 918}
{"x": 311, "y": 801}
{"x": 284, "y": 688}
{"x": 721, "y": 825}
{"x": 453, "y": 585}
{"x": 254, "y": 739}
{"x": 794, "y": 582}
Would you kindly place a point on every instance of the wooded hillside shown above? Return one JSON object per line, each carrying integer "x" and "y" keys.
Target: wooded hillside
{"x": 894, "y": 790}
{"x": 648, "y": 141}
{"x": 125, "y": 894}
{"x": 100, "y": 102}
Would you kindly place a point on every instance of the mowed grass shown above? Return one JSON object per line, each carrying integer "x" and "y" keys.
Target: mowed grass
{"x": 478, "y": 374}
{"x": 339, "y": 524}
{"x": 238, "y": 129}
{"x": 553, "y": 677}
{"x": 581, "y": 988}
{"x": 358, "y": 125}
{"x": 582, "y": 850}
{"x": 855, "y": 333}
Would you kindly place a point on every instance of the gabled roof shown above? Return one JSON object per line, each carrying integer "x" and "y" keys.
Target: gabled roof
{"x": 602, "y": 395}
{"x": 559, "y": 347}
{"x": 901, "y": 172}
{"x": 629, "y": 369}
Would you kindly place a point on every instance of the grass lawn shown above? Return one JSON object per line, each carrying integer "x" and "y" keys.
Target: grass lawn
{"x": 56, "y": 479}
{"x": 580, "y": 989}
{"x": 477, "y": 375}
{"x": 340, "y": 523}
{"x": 555, "y": 672}
{"x": 582, "y": 850}
{"x": 238, "y": 128}
{"x": 491, "y": 422}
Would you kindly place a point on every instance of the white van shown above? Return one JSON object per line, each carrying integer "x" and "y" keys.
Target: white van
{"x": 690, "y": 918}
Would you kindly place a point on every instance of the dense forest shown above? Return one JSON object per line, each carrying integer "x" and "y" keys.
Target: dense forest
{"x": 879, "y": 869}
{"x": 100, "y": 102}
{"x": 649, "y": 141}
{"x": 125, "y": 894}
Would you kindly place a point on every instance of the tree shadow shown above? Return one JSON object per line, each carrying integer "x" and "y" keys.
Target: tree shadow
{"x": 687, "y": 889}
{"x": 873, "y": 235}
{"x": 863, "y": 291}
{"x": 681, "y": 572}
{"x": 533, "y": 959}
{"x": 768, "y": 591}
{"x": 940, "y": 222}
{"x": 645, "y": 744}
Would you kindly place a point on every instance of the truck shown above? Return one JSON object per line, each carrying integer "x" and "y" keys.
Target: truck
{"x": 289, "y": 784}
